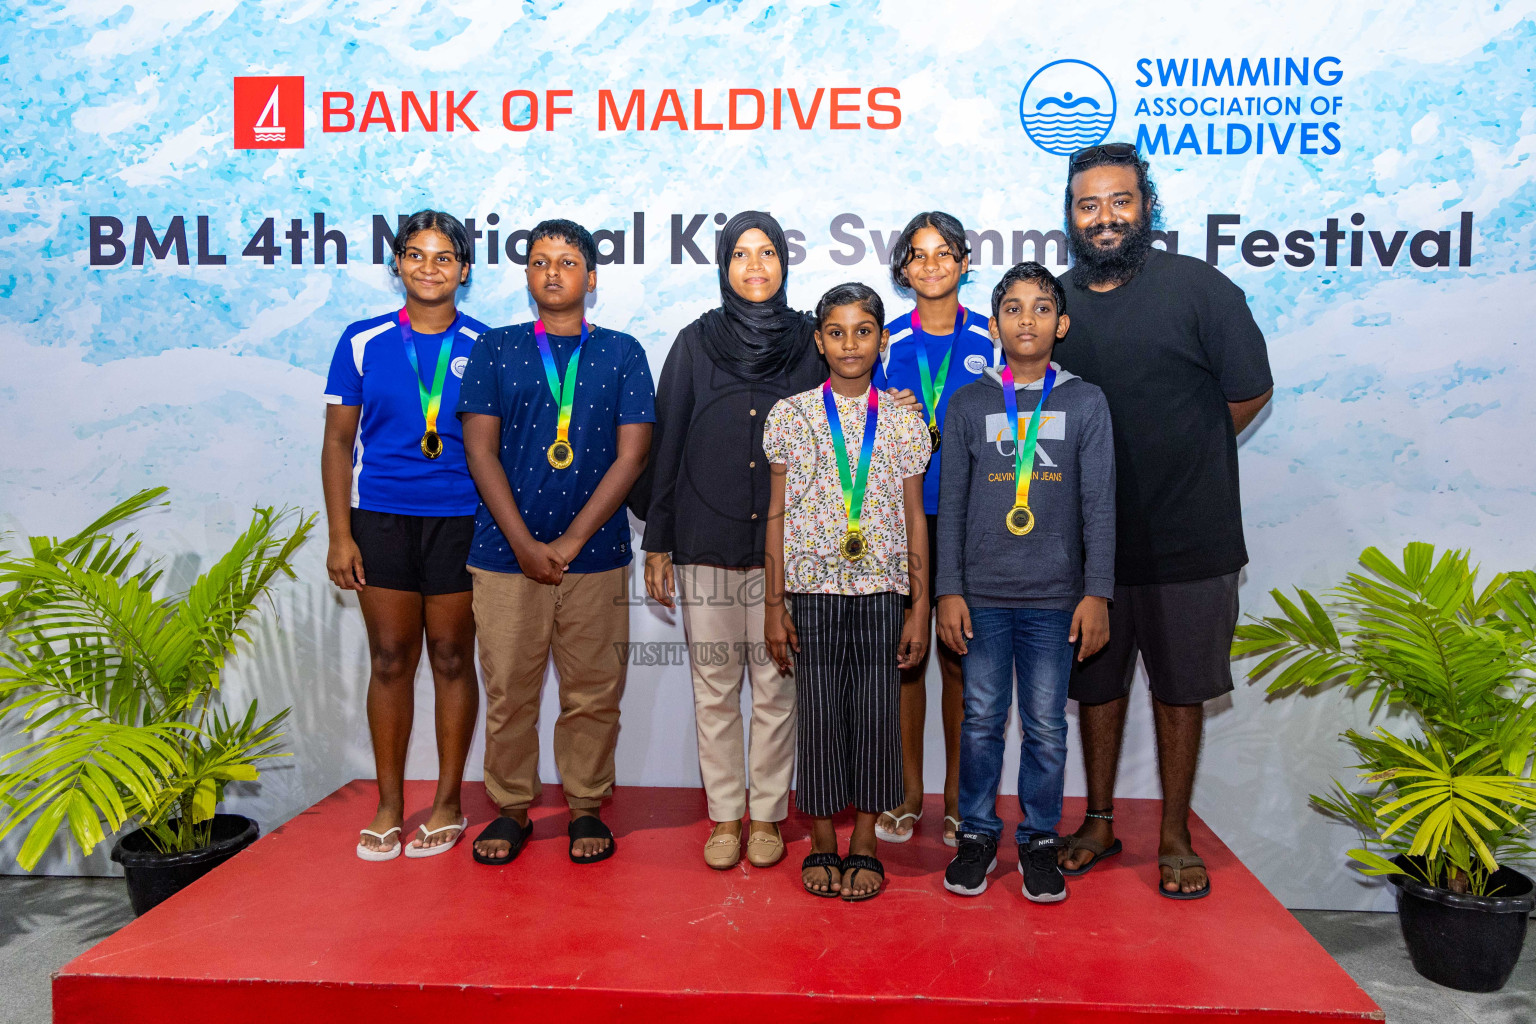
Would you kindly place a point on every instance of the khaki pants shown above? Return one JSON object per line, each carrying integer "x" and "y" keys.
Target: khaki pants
{"x": 723, "y": 620}
{"x": 584, "y": 623}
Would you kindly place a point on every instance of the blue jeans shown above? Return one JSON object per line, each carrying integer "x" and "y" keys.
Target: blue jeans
{"x": 1032, "y": 641}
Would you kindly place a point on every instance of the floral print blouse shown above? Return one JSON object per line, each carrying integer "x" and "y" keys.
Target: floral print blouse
{"x": 798, "y": 435}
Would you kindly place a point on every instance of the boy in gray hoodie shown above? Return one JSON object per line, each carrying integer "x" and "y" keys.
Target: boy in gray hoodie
{"x": 1025, "y": 570}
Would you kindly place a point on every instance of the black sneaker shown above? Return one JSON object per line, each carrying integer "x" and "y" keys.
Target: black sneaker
{"x": 967, "y": 873}
{"x": 1043, "y": 881}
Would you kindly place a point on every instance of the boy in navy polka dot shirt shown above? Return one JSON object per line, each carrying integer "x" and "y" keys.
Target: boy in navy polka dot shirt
{"x": 557, "y": 425}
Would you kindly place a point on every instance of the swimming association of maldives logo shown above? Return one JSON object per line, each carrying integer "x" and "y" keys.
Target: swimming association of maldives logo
{"x": 1066, "y": 105}
{"x": 269, "y": 112}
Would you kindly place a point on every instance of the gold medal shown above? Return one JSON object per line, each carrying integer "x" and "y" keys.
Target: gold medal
{"x": 852, "y": 546}
{"x": 934, "y": 436}
{"x": 1020, "y": 520}
{"x": 431, "y": 401}
{"x": 561, "y": 454}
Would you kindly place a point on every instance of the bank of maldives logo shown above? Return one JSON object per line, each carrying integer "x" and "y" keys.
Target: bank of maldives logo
{"x": 269, "y": 112}
{"x": 1066, "y": 105}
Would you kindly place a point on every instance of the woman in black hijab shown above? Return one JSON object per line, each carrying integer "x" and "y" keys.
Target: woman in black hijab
{"x": 754, "y": 334}
{"x": 705, "y": 505}
{"x": 705, "y": 526}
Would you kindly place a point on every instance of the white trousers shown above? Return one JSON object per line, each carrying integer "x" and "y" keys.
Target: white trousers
{"x": 723, "y": 619}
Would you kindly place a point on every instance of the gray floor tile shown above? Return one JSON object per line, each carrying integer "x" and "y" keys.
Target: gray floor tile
{"x": 44, "y": 924}
{"x": 1370, "y": 947}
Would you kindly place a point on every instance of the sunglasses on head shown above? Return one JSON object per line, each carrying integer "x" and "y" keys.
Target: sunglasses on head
{"x": 1119, "y": 151}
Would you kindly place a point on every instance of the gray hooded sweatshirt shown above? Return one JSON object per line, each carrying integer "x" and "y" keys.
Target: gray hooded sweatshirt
{"x": 1071, "y": 550}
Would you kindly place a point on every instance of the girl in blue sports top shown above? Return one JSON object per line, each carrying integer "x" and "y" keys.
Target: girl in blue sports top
{"x": 935, "y": 350}
{"x": 401, "y": 508}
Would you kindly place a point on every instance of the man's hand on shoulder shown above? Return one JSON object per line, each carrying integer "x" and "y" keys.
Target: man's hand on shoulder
{"x": 906, "y": 399}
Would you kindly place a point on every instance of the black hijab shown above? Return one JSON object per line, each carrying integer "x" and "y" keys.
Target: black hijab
{"x": 756, "y": 341}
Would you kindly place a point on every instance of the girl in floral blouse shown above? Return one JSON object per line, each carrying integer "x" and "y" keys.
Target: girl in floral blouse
{"x": 846, "y": 505}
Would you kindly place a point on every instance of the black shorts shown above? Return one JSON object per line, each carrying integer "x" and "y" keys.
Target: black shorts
{"x": 1183, "y": 632}
{"x": 423, "y": 554}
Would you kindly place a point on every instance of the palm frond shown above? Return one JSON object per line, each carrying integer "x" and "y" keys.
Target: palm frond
{"x": 85, "y": 772}
{"x": 118, "y": 685}
{"x": 1418, "y": 634}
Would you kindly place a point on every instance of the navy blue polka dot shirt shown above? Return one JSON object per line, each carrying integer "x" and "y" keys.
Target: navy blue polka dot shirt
{"x": 505, "y": 378}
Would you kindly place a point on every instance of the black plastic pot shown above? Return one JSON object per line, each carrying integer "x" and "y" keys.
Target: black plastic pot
{"x": 154, "y": 877}
{"x": 1461, "y": 941}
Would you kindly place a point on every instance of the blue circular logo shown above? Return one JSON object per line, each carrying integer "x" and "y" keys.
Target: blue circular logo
{"x": 1066, "y": 105}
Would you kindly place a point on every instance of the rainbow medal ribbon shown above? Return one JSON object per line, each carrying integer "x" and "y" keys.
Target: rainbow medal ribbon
{"x": 1020, "y": 520}
{"x": 852, "y": 546}
{"x": 933, "y": 387}
{"x": 561, "y": 454}
{"x": 431, "y": 401}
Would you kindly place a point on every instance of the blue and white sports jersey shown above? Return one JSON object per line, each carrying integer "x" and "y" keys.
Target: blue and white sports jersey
{"x": 389, "y": 471}
{"x": 897, "y": 368}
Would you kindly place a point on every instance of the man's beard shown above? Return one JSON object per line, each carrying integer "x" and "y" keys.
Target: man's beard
{"x": 1092, "y": 265}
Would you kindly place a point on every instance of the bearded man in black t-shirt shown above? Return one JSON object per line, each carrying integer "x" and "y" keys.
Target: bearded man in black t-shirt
{"x": 1170, "y": 341}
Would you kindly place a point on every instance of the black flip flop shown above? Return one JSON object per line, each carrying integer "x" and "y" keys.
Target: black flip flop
{"x": 1077, "y": 843}
{"x": 590, "y": 826}
{"x": 508, "y": 831}
{"x": 861, "y": 862}
{"x": 828, "y": 861}
{"x": 1178, "y": 863}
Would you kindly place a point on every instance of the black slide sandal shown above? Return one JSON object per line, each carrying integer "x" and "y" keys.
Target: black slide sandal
{"x": 590, "y": 826}
{"x": 507, "y": 831}
{"x": 828, "y": 861}
{"x": 861, "y": 862}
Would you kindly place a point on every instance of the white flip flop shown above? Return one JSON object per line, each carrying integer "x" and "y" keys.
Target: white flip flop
{"x": 364, "y": 853}
{"x": 898, "y": 837}
{"x": 416, "y": 851}
{"x": 948, "y": 840}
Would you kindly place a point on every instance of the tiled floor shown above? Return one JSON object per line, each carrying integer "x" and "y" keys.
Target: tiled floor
{"x": 1370, "y": 948}
{"x": 44, "y": 922}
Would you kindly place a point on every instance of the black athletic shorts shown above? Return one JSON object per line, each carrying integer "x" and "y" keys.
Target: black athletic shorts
{"x": 1183, "y": 632}
{"x": 423, "y": 554}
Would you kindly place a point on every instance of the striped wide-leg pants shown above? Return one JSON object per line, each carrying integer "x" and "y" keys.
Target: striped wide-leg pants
{"x": 848, "y": 689}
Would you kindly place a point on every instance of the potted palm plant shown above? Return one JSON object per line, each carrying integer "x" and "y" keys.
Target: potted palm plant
{"x": 115, "y": 685}
{"x": 1451, "y": 799}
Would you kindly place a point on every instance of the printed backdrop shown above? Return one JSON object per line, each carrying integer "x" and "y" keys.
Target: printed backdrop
{"x": 198, "y": 195}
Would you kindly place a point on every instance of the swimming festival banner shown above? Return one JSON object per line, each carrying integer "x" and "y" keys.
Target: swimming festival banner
{"x": 199, "y": 196}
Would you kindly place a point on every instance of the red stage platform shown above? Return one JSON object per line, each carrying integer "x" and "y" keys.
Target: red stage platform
{"x": 297, "y": 928}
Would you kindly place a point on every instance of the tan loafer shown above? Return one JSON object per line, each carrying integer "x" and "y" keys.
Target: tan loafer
{"x": 722, "y": 851}
{"x": 764, "y": 850}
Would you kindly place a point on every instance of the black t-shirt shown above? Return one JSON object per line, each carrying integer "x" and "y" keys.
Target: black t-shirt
{"x": 1170, "y": 348}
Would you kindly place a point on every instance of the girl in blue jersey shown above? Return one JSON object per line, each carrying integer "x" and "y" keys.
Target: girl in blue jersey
{"x": 401, "y": 508}
{"x": 935, "y": 350}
